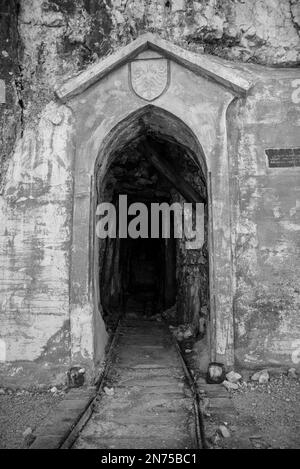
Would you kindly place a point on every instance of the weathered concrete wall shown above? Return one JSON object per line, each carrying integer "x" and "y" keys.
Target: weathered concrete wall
{"x": 266, "y": 223}
{"x": 35, "y": 236}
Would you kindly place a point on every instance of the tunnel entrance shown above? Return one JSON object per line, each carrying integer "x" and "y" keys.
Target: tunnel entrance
{"x": 148, "y": 276}
{"x": 187, "y": 113}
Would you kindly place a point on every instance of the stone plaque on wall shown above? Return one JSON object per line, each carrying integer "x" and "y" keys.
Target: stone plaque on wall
{"x": 283, "y": 157}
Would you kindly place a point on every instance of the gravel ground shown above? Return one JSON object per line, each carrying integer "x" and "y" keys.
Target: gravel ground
{"x": 20, "y": 410}
{"x": 267, "y": 416}
{"x": 262, "y": 416}
{"x": 275, "y": 409}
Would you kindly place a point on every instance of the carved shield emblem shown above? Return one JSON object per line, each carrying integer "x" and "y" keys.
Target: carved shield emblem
{"x": 149, "y": 78}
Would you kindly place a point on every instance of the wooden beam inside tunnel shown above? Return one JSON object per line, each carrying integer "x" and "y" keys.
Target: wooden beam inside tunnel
{"x": 185, "y": 189}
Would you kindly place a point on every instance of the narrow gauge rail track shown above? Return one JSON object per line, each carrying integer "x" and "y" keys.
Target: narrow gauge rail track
{"x": 151, "y": 401}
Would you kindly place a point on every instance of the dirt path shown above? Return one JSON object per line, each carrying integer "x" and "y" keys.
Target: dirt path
{"x": 151, "y": 407}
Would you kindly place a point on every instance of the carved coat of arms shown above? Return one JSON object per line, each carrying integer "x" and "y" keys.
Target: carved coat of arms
{"x": 149, "y": 78}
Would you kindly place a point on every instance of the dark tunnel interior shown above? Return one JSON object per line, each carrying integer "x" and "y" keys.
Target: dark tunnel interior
{"x": 147, "y": 276}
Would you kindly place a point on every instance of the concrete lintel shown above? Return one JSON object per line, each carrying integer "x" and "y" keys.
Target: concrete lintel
{"x": 221, "y": 71}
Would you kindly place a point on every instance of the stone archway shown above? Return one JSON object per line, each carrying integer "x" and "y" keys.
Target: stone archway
{"x": 197, "y": 92}
{"x": 150, "y": 122}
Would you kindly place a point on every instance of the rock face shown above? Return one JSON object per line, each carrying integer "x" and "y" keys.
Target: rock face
{"x": 11, "y": 111}
{"x": 49, "y": 40}
{"x": 43, "y": 42}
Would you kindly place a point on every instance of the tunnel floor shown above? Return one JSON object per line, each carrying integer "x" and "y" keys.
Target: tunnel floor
{"x": 151, "y": 406}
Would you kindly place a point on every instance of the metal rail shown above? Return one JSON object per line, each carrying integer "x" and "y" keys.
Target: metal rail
{"x": 200, "y": 434}
{"x": 84, "y": 418}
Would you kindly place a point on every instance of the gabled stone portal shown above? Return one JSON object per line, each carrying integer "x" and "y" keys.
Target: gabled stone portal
{"x": 189, "y": 96}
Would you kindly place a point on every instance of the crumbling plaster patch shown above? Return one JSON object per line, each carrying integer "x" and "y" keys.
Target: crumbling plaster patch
{"x": 266, "y": 226}
{"x": 35, "y": 236}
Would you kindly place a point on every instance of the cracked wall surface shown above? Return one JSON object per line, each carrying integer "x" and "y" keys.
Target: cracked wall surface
{"x": 36, "y": 209}
{"x": 266, "y": 226}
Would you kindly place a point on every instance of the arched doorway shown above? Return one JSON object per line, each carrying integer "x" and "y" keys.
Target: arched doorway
{"x": 152, "y": 157}
{"x": 194, "y": 293}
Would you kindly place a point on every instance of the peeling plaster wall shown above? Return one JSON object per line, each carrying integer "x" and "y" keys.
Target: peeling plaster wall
{"x": 266, "y": 225}
{"x": 35, "y": 210}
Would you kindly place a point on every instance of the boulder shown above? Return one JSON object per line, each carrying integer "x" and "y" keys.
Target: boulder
{"x": 109, "y": 391}
{"x": 28, "y": 437}
{"x": 261, "y": 376}
{"x": 224, "y": 431}
{"x": 292, "y": 373}
{"x": 233, "y": 377}
{"x": 230, "y": 386}
{"x": 187, "y": 333}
